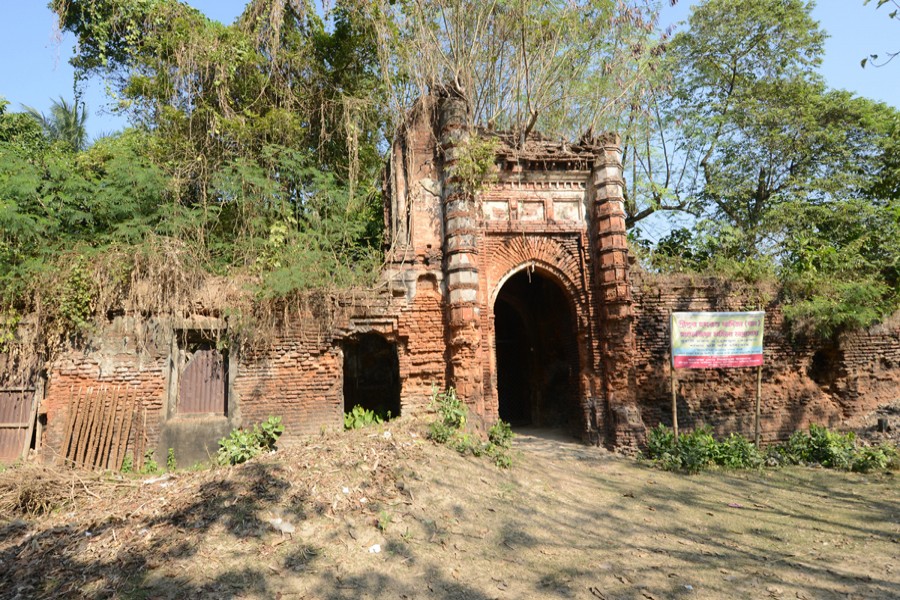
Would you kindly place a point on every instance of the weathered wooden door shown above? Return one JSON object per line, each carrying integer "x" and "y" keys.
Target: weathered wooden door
{"x": 16, "y": 414}
{"x": 202, "y": 386}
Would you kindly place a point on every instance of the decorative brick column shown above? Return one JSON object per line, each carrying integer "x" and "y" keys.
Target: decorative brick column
{"x": 460, "y": 259}
{"x": 626, "y": 429}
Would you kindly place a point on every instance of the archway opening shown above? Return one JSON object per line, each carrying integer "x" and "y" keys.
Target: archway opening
{"x": 372, "y": 375}
{"x": 537, "y": 354}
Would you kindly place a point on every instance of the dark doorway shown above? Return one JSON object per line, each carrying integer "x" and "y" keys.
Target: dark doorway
{"x": 537, "y": 354}
{"x": 371, "y": 375}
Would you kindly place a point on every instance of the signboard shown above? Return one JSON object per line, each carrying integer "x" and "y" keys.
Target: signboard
{"x": 703, "y": 340}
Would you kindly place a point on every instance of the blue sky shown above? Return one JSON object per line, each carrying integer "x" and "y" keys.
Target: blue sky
{"x": 35, "y": 67}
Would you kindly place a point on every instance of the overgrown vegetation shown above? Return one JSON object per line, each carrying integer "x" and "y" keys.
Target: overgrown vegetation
{"x": 783, "y": 178}
{"x": 451, "y": 429}
{"x": 242, "y": 444}
{"x": 359, "y": 417}
{"x": 254, "y": 155}
{"x": 254, "y": 149}
{"x": 697, "y": 450}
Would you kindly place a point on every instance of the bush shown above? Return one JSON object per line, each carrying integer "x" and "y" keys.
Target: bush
{"x": 360, "y": 417}
{"x": 876, "y": 458}
{"x": 240, "y": 446}
{"x": 660, "y": 441}
{"x": 452, "y": 419}
{"x": 737, "y": 452}
{"x": 819, "y": 446}
{"x": 697, "y": 450}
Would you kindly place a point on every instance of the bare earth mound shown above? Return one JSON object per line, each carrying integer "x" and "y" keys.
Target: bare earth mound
{"x": 383, "y": 513}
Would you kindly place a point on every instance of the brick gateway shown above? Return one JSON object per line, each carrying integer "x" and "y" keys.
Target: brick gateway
{"x": 520, "y": 296}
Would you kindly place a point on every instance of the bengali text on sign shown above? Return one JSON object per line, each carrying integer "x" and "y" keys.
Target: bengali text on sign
{"x": 703, "y": 340}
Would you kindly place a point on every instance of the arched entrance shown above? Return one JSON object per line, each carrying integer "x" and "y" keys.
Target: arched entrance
{"x": 537, "y": 353}
{"x": 371, "y": 374}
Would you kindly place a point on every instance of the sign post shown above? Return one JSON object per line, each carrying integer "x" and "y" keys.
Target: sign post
{"x": 716, "y": 340}
{"x": 674, "y": 385}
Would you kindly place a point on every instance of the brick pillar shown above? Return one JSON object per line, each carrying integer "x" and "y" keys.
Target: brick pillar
{"x": 626, "y": 429}
{"x": 460, "y": 260}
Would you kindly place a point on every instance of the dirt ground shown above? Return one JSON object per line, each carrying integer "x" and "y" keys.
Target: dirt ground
{"x": 383, "y": 513}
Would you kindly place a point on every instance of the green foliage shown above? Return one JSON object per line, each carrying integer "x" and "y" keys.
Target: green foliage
{"x": 840, "y": 264}
{"x": 698, "y": 450}
{"x": 384, "y": 519}
{"x": 475, "y": 162}
{"x": 737, "y": 452}
{"x": 819, "y": 446}
{"x": 171, "y": 463}
{"x": 242, "y": 445}
{"x": 255, "y": 156}
{"x": 451, "y": 415}
{"x": 359, "y": 417}
{"x": 239, "y": 447}
{"x": 65, "y": 124}
{"x": 500, "y": 434}
{"x": 127, "y": 464}
{"x": 787, "y": 178}
{"x": 876, "y": 458}
{"x": 150, "y": 466}
{"x": 450, "y": 426}
{"x": 523, "y": 66}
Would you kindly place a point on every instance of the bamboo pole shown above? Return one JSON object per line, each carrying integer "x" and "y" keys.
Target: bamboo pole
{"x": 118, "y": 425}
{"x": 106, "y": 435}
{"x": 70, "y": 424}
{"x": 84, "y": 416}
{"x": 129, "y": 420}
{"x": 32, "y": 417}
{"x": 674, "y": 404}
{"x": 758, "y": 402}
{"x": 94, "y": 435}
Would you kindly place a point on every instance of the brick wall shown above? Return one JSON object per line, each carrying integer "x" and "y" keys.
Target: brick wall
{"x": 123, "y": 354}
{"x": 804, "y": 381}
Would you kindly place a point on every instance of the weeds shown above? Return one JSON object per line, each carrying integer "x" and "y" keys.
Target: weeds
{"x": 242, "y": 445}
{"x": 359, "y": 417}
{"x": 150, "y": 466}
{"x": 449, "y": 429}
{"x": 697, "y": 450}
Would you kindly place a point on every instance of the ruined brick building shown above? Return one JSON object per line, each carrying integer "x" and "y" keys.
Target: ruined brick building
{"x": 520, "y": 295}
{"x": 532, "y": 272}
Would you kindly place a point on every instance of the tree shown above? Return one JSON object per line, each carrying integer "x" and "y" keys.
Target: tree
{"x": 560, "y": 67}
{"x": 736, "y": 69}
{"x": 269, "y": 129}
{"x": 889, "y": 56}
{"x": 64, "y": 124}
{"x": 784, "y": 176}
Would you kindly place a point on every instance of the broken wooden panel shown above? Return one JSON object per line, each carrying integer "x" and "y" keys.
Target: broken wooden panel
{"x": 202, "y": 385}
{"x": 15, "y": 415}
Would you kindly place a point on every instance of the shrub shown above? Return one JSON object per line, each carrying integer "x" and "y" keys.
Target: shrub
{"x": 448, "y": 429}
{"x": 242, "y": 445}
{"x": 360, "y": 417}
{"x": 876, "y": 458}
{"x": 698, "y": 449}
{"x": 150, "y": 466}
{"x": 695, "y": 450}
{"x": 819, "y": 446}
{"x": 660, "y": 441}
{"x": 737, "y": 452}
